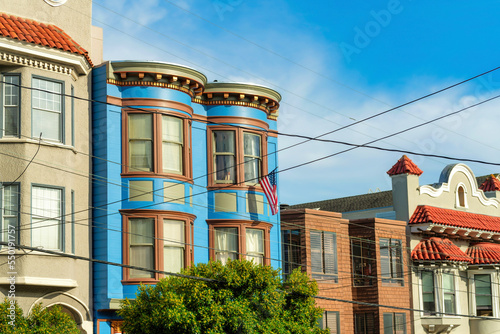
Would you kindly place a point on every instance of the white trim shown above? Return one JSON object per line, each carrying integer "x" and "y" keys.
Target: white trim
{"x": 55, "y": 3}
{"x": 494, "y": 290}
{"x": 445, "y": 186}
{"x": 61, "y": 293}
{"x": 42, "y": 281}
{"x": 80, "y": 321}
{"x": 457, "y": 197}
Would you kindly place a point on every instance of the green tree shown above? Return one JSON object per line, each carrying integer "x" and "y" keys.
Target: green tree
{"x": 40, "y": 321}
{"x": 243, "y": 298}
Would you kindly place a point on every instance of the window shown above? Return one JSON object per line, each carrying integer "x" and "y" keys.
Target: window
{"x": 156, "y": 241}
{"x": 428, "y": 297}
{"x": 330, "y": 320}
{"x": 10, "y": 213}
{"x": 363, "y": 263}
{"x": 364, "y": 323}
{"x": 47, "y": 112}
{"x": 157, "y": 143}
{"x": 11, "y": 104}
{"x": 394, "y": 323}
{"x": 237, "y": 157}
{"x": 449, "y": 293}
{"x": 324, "y": 255}
{"x": 47, "y": 218}
{"x": 391, "y": 261}
{"x": 235, "y": 240}
{"x": 291, "y": 250}
{"x": 461, "y": 200}
{"x": 484, "y": 306}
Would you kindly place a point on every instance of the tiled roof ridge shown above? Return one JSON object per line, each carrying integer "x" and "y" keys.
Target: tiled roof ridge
{"x": 450, "y": 217}
{"x": 404, "y": 166}
{"x": 490, "y": 184}
{"x": 438, "y": 249}
{"x": 49, "y": 35}
{"x": 484, "y": 253}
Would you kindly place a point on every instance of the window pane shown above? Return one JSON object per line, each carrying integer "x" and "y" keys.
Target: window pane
{"x": 330, "y": 252}
{"x": 10, "y": 198}
{"x": 291, "y": 250}
{"x": 11, "y": 121}
{"x": 47, "y": 109}
{"x": 224, "y": 168}
{"x": 252, "y": 170}
{"x": 174, "y": 245}
{"x": 141, "y": 156}
{"x": 140, "y": 126}
{"x": 251, "y": 144}
{"x": 226, "y": 244}
{"x": 399, "y": 323}
{"x": 224, "y": 141}
{"x": 255, "y": 245}
{"x": 224, "y": 156}
{"x": 172, "y": 129}
{"x": 141, "y": 246}
{"x": 46, "y": 218}
{"x": 316, "y": 252}
{"x": 385, "y": 264}
{"x": 48, "y": 123}
{"x": 173, "y": 259}
{"x": 172, "y": 157}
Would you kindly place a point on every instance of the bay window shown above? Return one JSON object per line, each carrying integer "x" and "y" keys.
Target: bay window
{"x": 47, "y": 217}
{"x": 11, "y": 105}
{"x": 156, "y": 143}
{"x": 238, "y": 156}
{"x": 47, "y": 109}
{"x": 438, "y": 292}
{"x": 156, "y": 241}
{"x": 239, "y": 239}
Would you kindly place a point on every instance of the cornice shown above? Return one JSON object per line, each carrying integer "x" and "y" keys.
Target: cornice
{"x": 36, "y": 56}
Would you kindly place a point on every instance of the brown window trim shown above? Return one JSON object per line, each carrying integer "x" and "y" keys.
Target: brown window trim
{"x": 157, "y": 171}
{"x": 157, "y": 215}
{"x": 240, "y": 168}
{"x": 241, "y": 226}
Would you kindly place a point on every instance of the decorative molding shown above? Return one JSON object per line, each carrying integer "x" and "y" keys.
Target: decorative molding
{"x": 55, "y": 3}
{"x": 448, "y": 173}
{"x": 152, "y": 84}
{"x": 55, "y": 293}
{"x": 44, "y": 65}
{"x": 42, "y": 281}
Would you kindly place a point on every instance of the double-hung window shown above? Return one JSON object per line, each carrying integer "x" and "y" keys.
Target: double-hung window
{"x": 363, "y": 264}
{"x": 428, "y": 296}
{"x": 47, "y": 109}
{"x": 156, "y": 242}
{"x": 449, "y": 293}
{"x": 10, "y": 213}
{"x": 47, "y": 217}
{"x": 237, "y": 157}
{"x": 394, "y": 323}
{"x": 11, "y": 105}
{"x": 156, "y": 143}
{"x": 364, "y": 323}
{"x": 324, "y": 255}
{"x": 331, "y": 321}
{"x": 438, "y": 292}
{"x": 483, "y": 295}
{"x": 391, "y": 261}
{"x": 239, "y": 240}
{"x": 291, "y": 250}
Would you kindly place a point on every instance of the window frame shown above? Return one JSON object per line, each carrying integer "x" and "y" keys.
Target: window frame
{"x": 158, "y": 247}
{"x": 157, "y": 145}
{"x": 393, "y": 279}
{"x": 392, "y": 329}
{"x": 367, "y": 261}
{"x": 324, "y": 275}
{"x": 439, "y": 293}
{"x": 323, "y": 321}
{"x": 291, "y": 248}
{"x": 61, "y": 218}
{"x": 365, "y": 318}
{"x": 3, "y": 227}
{"x": 19, "y": 99}
{"x": 239, "y": 182}
{"x": 493, "y": 288}
{"x": 241, "y": 226}
{"x": 62, "y": 127}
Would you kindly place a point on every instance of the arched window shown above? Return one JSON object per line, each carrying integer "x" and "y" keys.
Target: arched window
{"x": 461, "y": 197}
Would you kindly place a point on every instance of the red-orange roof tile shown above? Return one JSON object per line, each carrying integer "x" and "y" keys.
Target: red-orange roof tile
{"x": 484, "y": 253}
{"x": 449, "y": 217}
{"x": 438, "y": 249}
{"x": 38, "y": 33}
{"x": 404, "y": 166}
{"x": 491, "y": 184}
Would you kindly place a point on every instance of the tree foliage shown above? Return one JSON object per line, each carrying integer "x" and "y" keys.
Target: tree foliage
{"x": 40, "y": 321}
{"x": 244, "y": 298}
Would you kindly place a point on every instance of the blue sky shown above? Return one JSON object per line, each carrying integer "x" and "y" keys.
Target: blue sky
{"x": 335, "y": 62}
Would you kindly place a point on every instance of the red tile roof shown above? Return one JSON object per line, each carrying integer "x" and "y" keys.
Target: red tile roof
{"x": 438, "y": 249}
{"x": 491, "y": 184}
{"x": 404, "y": 166}
{"x": 484, "y": 253}
{"x": 39, "y": 33}
{"x": 430, "y": 214}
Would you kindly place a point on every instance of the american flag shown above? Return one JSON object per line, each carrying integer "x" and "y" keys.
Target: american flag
{"x": 268, "y": 184}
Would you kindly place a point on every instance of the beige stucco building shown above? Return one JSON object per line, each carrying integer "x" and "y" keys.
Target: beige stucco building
{"x": 46, "y": 55}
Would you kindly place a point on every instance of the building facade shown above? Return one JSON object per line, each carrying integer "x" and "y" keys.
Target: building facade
{"x": 178, "y": 162}
{"x": 453, "y": 242}
{"x": 45, "y": 62}
{"x": 357, "y": 264}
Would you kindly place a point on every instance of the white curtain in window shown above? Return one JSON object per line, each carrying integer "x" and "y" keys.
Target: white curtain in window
{"x": 140, "y": 127}
{"x": 141, "y": 246}
{"x": 46, "y": 217}
{"x": 251, "y": 149}
{"x": 224, "y": 154}
{"x": 226, "y": 244}
{"x": 172, "y": 136}
{"x": 255, "y": 245}
{"x": 174, "y": 245}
